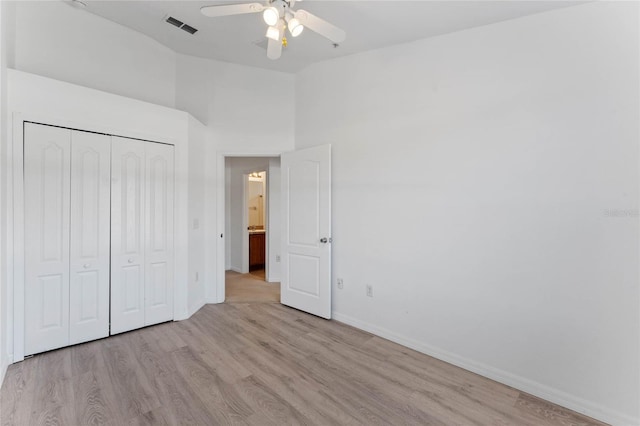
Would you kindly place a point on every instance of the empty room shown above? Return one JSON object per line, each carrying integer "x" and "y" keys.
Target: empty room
{"x": 320, "y": 212}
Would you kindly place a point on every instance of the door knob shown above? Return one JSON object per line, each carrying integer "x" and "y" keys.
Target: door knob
{"x": 130, "y": 260}
{"x": 86, "y": 265}
{"x": 325, "y": 240}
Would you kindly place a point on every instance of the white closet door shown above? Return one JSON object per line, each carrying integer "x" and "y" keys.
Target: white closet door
{"x": 47, "y": 204}
{"x": 127, "y": 234}
{"x": 90, "y": 223}
{"x": 159, "y": 233}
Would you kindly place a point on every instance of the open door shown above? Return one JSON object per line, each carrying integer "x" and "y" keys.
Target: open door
{"x": 306, "y": 230}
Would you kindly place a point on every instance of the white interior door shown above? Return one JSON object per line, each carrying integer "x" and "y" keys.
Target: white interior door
{"x": 47, "y": 174}
{"x": 159, "y": 233}
{"x": 127, "y": 234}
{"x": 90, "y": 223}
{"x": 306, "y": 238}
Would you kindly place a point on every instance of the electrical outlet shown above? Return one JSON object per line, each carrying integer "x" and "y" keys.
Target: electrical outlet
{"x": 197, "y": 276}
{"x": 277, "y": 258}
{"x": 369, "y": 290}
{"x": 196, "y": 223}
{"x": 340, "y": 283}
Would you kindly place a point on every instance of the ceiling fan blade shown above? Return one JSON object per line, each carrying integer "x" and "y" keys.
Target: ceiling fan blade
{"x": 321, "y": 26}
{"x": 274, "y": 48}
{"x": 231, "y": 9}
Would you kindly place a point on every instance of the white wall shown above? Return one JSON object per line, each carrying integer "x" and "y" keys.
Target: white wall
{"x": 273, "y": 220}
{"x": 4, "y": 358}
{"x": 227, "y": 213}
{"x": 56, "y": 40}
{"x": 474, "y": 179}
{"x": 246, "y": 109}
{"x": 198, "y": 182}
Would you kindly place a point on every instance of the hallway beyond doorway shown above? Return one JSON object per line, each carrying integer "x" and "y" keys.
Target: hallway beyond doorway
{"x": 250, "y": 288}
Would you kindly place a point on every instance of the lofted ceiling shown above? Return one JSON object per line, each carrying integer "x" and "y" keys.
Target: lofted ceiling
{"x": 368, "y": 24}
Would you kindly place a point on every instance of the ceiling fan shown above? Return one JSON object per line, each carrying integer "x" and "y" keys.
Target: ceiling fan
{"x": 279, "y": 15}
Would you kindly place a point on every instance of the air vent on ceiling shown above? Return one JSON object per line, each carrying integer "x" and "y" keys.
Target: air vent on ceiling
{"x": 178, "y": 23}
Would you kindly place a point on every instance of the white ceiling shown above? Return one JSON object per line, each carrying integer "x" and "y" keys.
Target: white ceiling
{"x": 368, "y": 24}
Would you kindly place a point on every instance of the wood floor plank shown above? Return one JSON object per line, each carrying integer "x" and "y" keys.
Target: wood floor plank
{"x": 269, "y": 403}
{"x": 18, "y": 392}
{"x": 223, "y": 400}
{"x": 250, "y": 288}
{"x": 542, "y": 412}
{"x": 182, "y": 405}
{"x": 86, "y": 357}
{"x": 95, "y": 400}
{"x": 135, "y": 394}
{"x": 295, "y": 391}
{"x": 259, "y": 364}
{"x": 54, "y": 399}
{"x": 157, "y": 417}
{"x": 167, "y": 336}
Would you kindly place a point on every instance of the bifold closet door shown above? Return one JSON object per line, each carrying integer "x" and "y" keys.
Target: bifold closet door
{"x": 47, "y": 175}
{"x": 141, "y": 234}
{"x": 66, "y": 182}
{"x": 159, "y": 233}
{"x": 90, "y": 224}
{"x": 127, "y": 234}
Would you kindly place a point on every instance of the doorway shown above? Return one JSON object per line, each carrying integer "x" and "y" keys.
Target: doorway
{"x": 252, "y": 186}
{"x": 256, "y": 194}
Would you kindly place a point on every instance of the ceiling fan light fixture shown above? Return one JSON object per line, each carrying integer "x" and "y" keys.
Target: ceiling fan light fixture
{"x": 271, "y": 15}
{"x": 295, "y": 27}
{"x": 273, "y": 33}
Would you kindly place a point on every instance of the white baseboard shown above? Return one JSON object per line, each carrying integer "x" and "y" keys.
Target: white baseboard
{"x": 234, "y": 269}
{"x": 555, "y": 396}
{"x": 195, "y": 308}
{"x": 4, "y": 364}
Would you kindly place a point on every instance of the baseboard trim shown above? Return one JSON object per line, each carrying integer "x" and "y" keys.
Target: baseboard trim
{"x": 3, "y": 368}
{"x": 195, "y": 308}
{"x": 555, "y": 396}
{"x": 234, "y": 269}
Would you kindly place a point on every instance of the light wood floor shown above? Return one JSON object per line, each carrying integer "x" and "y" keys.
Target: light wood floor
{"x": 250, "y": 288}
{"x": 260, "y": 364}
{"x": 260, "y": 273}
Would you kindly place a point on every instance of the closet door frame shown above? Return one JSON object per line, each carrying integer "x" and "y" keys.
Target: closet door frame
{"x": 16, "y": 210}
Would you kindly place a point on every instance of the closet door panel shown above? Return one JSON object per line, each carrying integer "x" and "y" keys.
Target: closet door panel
{"x": 159, "y": 233}
{"x": 47, "y": 204}
{"x": 90, "y": 223}
{"x": 127, "y": 234}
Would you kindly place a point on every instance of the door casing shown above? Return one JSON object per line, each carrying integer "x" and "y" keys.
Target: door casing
{"x": 221, "y": 216}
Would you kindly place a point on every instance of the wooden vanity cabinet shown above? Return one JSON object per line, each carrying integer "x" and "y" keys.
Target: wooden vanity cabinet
{"x": 256, "y": 250}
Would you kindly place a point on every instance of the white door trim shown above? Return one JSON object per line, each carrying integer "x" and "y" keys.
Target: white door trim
{"x": 221, "y": 208}
{"x": 244, "y": 265}
{"x": 245, "y": 220}
{"x": 15, "y": 209}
